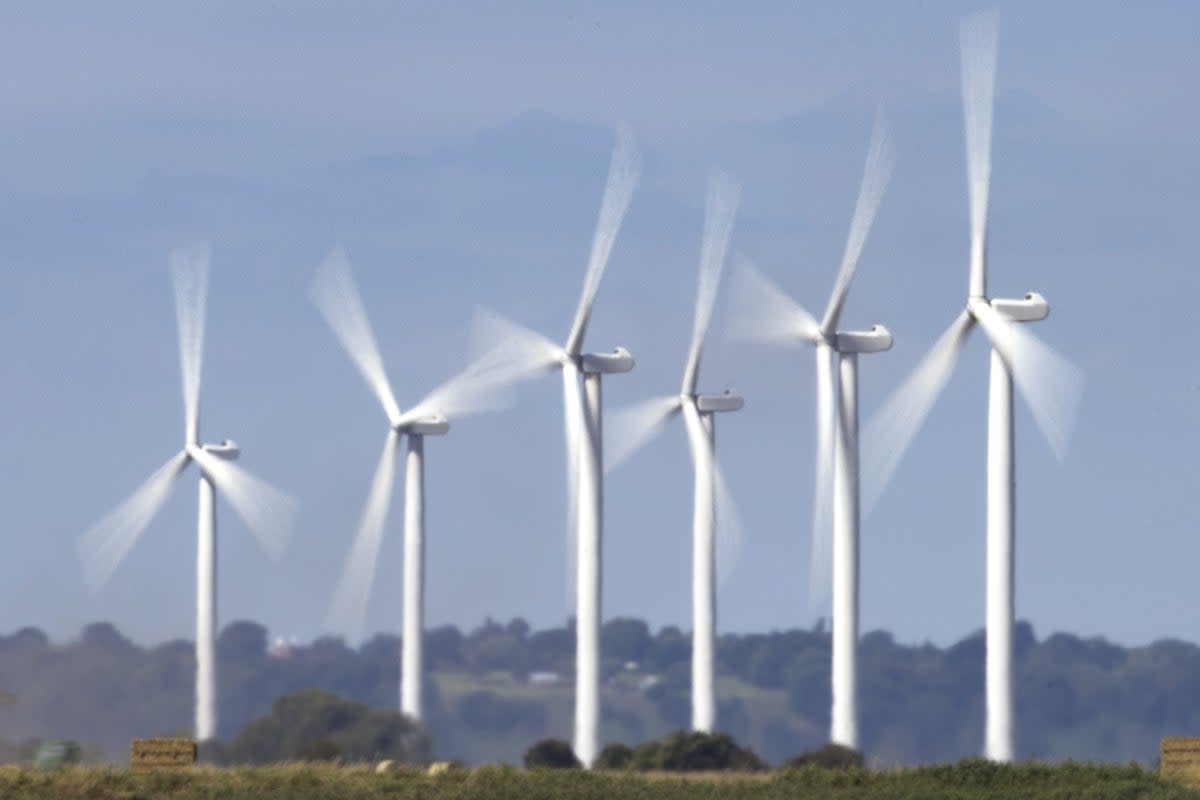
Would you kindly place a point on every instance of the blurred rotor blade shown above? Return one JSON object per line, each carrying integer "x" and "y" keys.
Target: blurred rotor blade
{"x": 978, "y": 43}
{"x": 348, "y": 611}
{"x": 105, "y": 544}
{"x": 632, "y": 427}
{"x": 267, "y": 511}
{"x": 335, "y": 295}
{"x": 727, "y": 523}
{"x": 730, "y": 534}
{"x": 820, "y": 563}
{"x": 892, "y": 428}
{"x": 720, "y": 209}
{"x": 1051, "y": 385}
{"x": 878, "y": 171}
{"x": 500, "y": 343}
{"x": 575, "y": 429}
{"x": 189, "y": 271}
{"x": 623, "y": 173}
{"x": 760, "y": 311}
{"x": 482, "y": 386}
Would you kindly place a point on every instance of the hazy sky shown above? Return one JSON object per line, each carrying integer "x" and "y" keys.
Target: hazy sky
{"x": 458, "y": 153}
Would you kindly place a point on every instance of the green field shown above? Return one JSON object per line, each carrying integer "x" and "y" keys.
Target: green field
{"x": 968, "y": 780}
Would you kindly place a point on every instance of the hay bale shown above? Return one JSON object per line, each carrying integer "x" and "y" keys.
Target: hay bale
{"x": 443, "y": 767}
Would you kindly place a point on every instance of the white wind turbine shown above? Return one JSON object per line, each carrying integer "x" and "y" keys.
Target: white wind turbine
{"x": 712, "y": 510}
{"x": 532, "y": 353}
{"x": 334, "y": 293}
{"x": 764, "y": 313}
{"x": 266, "y": 511}
{"x": 1049, "y": 383}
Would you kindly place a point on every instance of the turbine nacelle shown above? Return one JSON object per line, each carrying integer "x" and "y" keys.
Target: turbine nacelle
{"x": 1031, "y": 308}
{"x": 729, "y": 400}
{"x": 876, "y": 340}
{"x": 619, "y": 360}
{"x": 226, "y": 449}
{"x": 433, "y": 425}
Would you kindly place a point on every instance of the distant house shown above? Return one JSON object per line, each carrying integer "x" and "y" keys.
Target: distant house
{"x": 283, "y": 648}
{"x": 546, "y": 678}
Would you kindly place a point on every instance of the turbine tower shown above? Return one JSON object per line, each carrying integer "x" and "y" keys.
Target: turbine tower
{"x": 531, "y": 353}
{"x": 712, "y": 512}
{"x": 1049, "y": 383}
{"x": 766, "y": 314}
{"x": 336, "y": 296}
{"x": 266, "y": 511}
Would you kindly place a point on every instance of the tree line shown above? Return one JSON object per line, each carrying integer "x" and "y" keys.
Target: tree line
{"x": 498, "y": 688}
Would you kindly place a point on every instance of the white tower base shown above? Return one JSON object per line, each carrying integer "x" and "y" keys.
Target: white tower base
{"x": 206, "y": 611}
{"x": 844, "y": 714}
{"x": 704, "y": 585}
{"x": 588, "y": 577}
{"x": 1001, "y": 540}
{"x": 412, "y": 639}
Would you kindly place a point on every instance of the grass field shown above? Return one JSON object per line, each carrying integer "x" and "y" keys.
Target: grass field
{"x": 972, "y": 780}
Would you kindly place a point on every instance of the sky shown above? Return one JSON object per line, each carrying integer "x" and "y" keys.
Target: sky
{"x": 458, "y": 153}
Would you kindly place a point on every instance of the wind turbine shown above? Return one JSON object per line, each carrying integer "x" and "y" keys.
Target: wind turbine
{"x": 1049, "y": 383}
{"x": 532, "y": 353}
{"x": 635, "y": 426}
{"x": 766, "y": 314}
{"x": 266, "y": 511}
{"x": 334, "y": 293}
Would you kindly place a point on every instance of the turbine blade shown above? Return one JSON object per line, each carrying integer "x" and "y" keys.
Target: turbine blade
{"x": 723, "y": 193}
{"x": 876, "y": 174}
{"x": 267, "y": 511}
{"x": 820, "y": 563}
{"x": 348, "y": 611}
{"x": 575, "y": 429}
{"x": 730, "y": 533}
{"x": 727, "y": 521}
{"x": 105, "y": 544}
{"x": 760, "y": 311}
{"x": 891, "y": 430}
{"x": 500, "y": 343}
{"x": 1050, "y": 384}
{"x": 189, "y": 272}
{"x": 482, "y": 386}
{"x": 623, "y": 173}
{"x": 630, "y": 428}
{"x": 335, "y": 295}
{"x": 978, "y": 43}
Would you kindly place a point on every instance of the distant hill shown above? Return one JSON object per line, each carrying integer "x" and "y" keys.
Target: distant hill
{"x": 498, "y": 688}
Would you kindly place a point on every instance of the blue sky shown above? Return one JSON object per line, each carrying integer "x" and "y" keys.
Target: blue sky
{"x": 458, "y": 152}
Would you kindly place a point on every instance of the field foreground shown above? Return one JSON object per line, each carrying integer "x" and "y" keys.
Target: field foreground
{"x": 967, "y": 780}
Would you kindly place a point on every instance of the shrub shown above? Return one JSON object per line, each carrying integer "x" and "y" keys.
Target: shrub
{"x": 693, "y": 752}
{"x": 551, "y": 754}
{"x": 828, "y": 756}
{"x": 614, "y": 756}
{"x": 318, "y": 750}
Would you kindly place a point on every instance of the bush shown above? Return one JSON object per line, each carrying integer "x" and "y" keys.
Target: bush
{"x": 694, "y": 752}
{"x": 309, "y": 724}
{"x": 317, "y": 750}
{"x": 551, "y": 754}
{"x": 614, "y": 756}
{"x": 828, "y": 756}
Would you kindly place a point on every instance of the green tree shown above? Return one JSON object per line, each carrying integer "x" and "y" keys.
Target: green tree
{"x": 551, "y": 754}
